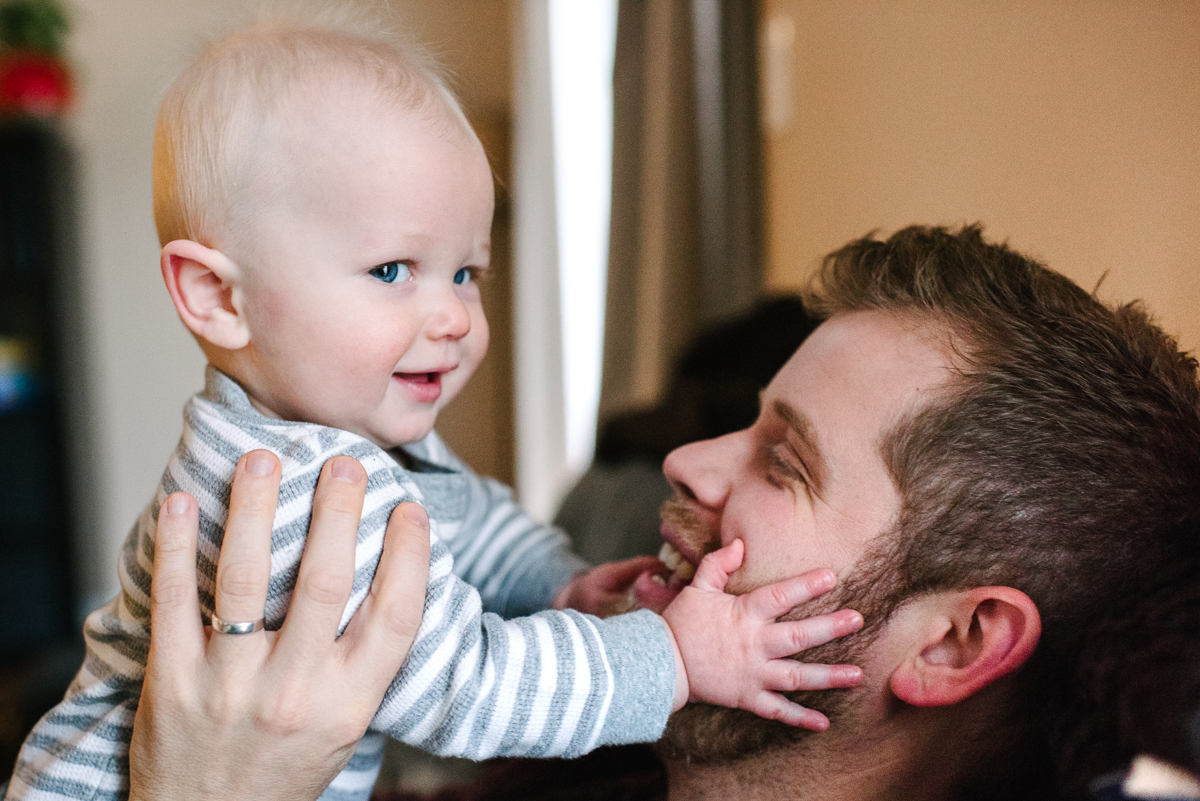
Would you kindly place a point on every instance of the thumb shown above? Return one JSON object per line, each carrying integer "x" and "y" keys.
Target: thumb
{"x": 715, "y": 568}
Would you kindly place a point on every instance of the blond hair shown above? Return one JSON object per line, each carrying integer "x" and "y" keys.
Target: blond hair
{"x": 214, "y": 117}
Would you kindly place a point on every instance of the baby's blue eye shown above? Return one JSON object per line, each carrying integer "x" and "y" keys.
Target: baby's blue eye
{"x": 392, "y": 271}
{"x": 463, "y": 276}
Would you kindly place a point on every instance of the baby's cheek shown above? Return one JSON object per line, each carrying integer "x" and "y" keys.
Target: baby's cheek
{"x": 474, "y": 349}
{"x": 275, "y": 305}
{"x": 479, "y": 336}
{"x": 454, "y": 383}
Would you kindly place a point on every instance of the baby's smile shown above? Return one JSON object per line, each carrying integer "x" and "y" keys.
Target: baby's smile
{"x": 423, "y": 387}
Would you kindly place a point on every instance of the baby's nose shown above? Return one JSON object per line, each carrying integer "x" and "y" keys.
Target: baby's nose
{"x": 450, "y": 320}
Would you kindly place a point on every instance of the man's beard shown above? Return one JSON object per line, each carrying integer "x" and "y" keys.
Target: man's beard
{"x": 701, "y": 733}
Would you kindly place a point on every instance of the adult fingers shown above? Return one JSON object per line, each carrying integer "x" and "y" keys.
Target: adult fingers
{"x": 174, "y": 605}
{"x": 776, "y": 599}
{"x": 244, "y": 569}
{"x": 326, "y": 573}
{"x": 792, "y": 637}
{"x": 384, "y": 627}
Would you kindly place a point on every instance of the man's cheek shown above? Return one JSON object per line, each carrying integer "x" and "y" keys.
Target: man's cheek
{"x": 742, "y": 581}
{"x": 759, "y": 571}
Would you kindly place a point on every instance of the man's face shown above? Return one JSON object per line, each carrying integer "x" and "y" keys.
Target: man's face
{"x": 805, "y": 487}
{"x": 361, "y": 287}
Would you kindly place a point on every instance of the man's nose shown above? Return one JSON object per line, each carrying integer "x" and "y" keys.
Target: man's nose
{"x": 703, "y": 471}
{"x": 450, "y": 318}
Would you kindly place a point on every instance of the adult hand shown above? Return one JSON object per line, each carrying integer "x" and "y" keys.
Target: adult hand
{"x": 271, "y": 715}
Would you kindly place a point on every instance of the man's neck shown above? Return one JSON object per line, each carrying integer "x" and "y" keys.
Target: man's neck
{"x": 895, "y": 763}
{"x": 784, "y": 776}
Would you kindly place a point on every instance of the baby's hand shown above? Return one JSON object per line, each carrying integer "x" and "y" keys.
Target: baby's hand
{"x": 733, "y": 650}
{"x": 605, "y": 590}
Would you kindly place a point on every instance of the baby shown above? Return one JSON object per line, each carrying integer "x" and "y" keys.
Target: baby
{"x": 325, "y": 213}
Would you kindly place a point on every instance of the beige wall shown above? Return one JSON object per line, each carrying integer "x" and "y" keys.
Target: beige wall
{"x": 140, "y": 364}
{"x": 1070, "y": 129}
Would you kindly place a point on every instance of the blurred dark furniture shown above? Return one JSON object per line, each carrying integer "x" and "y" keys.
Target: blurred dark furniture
{"x": 38, "y": 630}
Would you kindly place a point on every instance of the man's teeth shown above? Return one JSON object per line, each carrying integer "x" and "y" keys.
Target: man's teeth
{"x": 670, "y": 556}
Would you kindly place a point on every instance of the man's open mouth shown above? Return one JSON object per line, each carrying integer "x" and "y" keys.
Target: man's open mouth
{"x": 681, "y": 570}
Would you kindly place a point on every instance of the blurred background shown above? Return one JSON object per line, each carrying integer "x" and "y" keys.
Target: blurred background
{"x": 738, "y": 142}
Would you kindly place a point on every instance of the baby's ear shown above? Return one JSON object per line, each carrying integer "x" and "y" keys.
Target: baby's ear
{"x": 205, "y": 285}
{"x": 969, "y": 640}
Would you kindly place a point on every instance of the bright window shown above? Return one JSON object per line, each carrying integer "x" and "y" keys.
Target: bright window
{"x": 582, "y": 43}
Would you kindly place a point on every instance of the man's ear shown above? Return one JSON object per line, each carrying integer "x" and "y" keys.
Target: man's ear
{"x": 971, "y": 639}
{"x": 205, "y": 285}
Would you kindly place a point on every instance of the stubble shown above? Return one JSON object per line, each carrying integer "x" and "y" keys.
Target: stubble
{"x": 706, "y": 734}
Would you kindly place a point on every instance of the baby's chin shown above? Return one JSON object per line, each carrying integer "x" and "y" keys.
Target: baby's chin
{"x": 388, "y": 432}
{"x": 408, "y": 437}
{"x": 413, "y": 428}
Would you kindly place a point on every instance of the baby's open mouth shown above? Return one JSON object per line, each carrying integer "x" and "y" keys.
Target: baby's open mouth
{"x": 420, "y": 378}
{"x": 422, "y": 387}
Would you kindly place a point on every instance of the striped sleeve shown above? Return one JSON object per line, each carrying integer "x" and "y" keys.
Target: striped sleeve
{"x": 518, "y": 564}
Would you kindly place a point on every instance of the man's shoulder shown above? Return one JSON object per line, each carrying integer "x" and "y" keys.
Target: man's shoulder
{"x": 619, "y": 773}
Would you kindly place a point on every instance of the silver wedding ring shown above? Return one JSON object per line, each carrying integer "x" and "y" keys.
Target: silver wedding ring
{"x": 225, "y": 627}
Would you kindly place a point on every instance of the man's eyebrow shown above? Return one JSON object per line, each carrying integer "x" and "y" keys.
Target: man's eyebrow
{"x": 807, "y": 447}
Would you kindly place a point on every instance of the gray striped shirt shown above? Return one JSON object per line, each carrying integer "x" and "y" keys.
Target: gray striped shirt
{"x": 477, "y": 682}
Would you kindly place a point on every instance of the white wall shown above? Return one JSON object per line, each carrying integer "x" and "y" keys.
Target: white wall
{"x": 141, "y": 365}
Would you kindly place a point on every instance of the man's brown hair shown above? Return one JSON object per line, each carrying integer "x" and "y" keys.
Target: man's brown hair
{"x": 1065, "y": 459}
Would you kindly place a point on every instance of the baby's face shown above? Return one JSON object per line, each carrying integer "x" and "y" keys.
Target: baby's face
{"x": 361, "y": 273}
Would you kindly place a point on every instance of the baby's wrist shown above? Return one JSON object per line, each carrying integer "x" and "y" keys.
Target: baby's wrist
{"x": 565, "y": 598}
{"x": 682, "y": 689}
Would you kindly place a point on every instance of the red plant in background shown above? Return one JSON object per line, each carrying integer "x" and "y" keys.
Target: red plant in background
{"x": 33, "y": 82}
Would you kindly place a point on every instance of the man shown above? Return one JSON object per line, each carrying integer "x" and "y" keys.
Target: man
{"x": 990, "y": 460}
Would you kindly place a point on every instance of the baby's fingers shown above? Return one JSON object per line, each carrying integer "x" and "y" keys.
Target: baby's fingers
{"x": 773, "y": 600}
{"x": 786, "y": 675}
{"x": 793, "y": 636}
{"x": 618, "y": 576}
{"x": 775, "y": 707}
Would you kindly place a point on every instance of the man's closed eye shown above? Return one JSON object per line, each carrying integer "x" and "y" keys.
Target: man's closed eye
{"x": 781, "y": 470}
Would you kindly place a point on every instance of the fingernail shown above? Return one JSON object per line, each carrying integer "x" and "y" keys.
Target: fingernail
{"x": 260, "y": 464}
{"x": 177, "y": 504}
{"x": 416, "y": 514}
{"x": 347, "y": 470}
